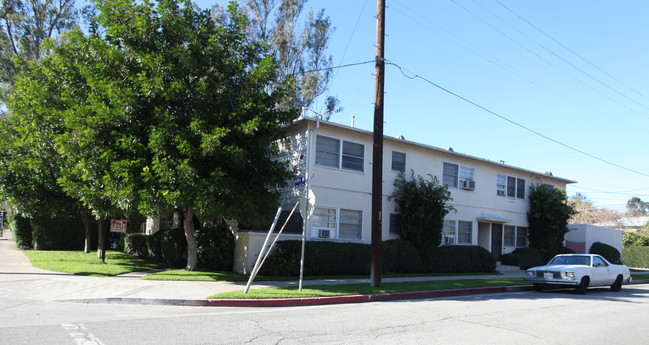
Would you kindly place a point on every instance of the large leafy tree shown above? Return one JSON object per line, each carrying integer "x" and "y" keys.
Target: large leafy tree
{"x": 199, "y": 108}
{"x": 548, "y": 219}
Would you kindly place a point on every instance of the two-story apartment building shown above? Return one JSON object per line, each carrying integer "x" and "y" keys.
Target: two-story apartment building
{"x": 334, "y": 162}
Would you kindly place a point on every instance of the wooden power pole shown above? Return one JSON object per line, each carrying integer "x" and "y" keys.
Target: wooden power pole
{"x": 377, "y": 153}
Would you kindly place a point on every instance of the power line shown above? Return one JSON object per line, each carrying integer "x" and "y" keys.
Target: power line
{"x": 554, "y": 65}
{"x": 453, "y": 38}
{"x": 416, "y": 76}
{"x": 567, "y": 48}
{"x": 562, "y": 58}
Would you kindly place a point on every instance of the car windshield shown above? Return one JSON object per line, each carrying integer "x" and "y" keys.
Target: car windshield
{"x": 571, "y": 260}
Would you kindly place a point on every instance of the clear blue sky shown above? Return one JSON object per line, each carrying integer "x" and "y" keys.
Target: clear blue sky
{"x": 574, "y": 71}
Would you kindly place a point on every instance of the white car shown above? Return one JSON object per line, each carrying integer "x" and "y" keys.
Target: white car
{"x": 579, "y": 271}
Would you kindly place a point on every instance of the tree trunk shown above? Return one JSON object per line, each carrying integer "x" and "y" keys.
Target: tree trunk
{"x": 101, "y": 242}
{"x": 188, "y": 226}
{"x": 86, "y": 222}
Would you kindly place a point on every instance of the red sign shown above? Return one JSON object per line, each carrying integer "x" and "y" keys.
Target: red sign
{"x": 118, "y": 225}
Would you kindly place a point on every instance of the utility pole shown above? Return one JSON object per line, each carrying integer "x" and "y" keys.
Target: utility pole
{"x": 377, "y": 153}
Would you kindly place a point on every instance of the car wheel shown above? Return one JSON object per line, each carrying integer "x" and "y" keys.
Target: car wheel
{"x": 617, "y": 286}
{"x": 538, "y": 287}
{"x": 583, "y": 285}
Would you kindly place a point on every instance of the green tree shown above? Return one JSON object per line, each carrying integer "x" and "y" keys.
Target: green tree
{"x": 201, "y": 113}
{"x": 24, "y": 26}
{"x": 635, "y": 206}
{"x": 548, "y": 219}
{"x": 29, "y": 162}
{"x": 422, "y": 205}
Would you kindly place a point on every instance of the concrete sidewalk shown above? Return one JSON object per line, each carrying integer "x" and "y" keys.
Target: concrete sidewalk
{"x": 20, "y": 280}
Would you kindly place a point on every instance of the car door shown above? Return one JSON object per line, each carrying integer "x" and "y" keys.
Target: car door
{"x": 601, "y": 272}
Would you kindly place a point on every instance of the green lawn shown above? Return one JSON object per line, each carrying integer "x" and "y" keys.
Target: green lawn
{"x": 235, "y": 277}
{"x": 80, "y": 263}
{"x": 184, "y": 275}
{"x": 364, "y": 289}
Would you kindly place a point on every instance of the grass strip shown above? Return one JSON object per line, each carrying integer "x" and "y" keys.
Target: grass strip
{"x": 87, "y": 264}
{"x": 366, "y": 289}
{"x": 183, "y": 275}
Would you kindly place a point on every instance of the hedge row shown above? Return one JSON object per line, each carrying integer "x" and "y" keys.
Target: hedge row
{"x": 50, "y": 233}
{"x": 169, "y": 247}
{"x": 609, "y": 253}
{"x": 636, "y": 257}
{"x": 165, "y": 246}
{"x": 399, "y": 256}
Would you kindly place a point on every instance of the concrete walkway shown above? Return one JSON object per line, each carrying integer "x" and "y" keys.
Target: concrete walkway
{"x": 20, "y": 280}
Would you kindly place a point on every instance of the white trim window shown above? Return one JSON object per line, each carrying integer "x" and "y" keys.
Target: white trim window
{"x": 521, "y": 237}
{"x": 515, "y": 236}
{"x": 324, "y": 222}
{"x": 332, "y": 223}
{"x": 328, "y": 153}
{"x": 464, "y": 232}
{"x": 395, "y": 224}
{"x": 457, "y": 176}
{"x": 510, "y": 186}
{"x": 351, "y": 223}
{"x": 457, "y": 232}
{"x": 398, "y": 161}
{"x": 448, "y": 232}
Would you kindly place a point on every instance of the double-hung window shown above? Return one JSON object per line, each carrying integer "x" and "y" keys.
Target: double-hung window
{"x": 457, "y": 232}
{"x": 331, "y": 223}
{"x": 457, "y": 176}
{"x": 448, "y": 232}
{"x": 398, "y": 161}
{"x": 350, "y": 224}
{"x": 450, "y": 174}
{"x": 510, "y": 235}
{"x": 464, "y": 232}
{"x": 510, "y": 186}
{"x": 521, "y": 237}
{"x": 353, "y": 156}
{"x": 329, "y": 152}
{"x": 515, "y": 236}
{"x": 395, "y": 224}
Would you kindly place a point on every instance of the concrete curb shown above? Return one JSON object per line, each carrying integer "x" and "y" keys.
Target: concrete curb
{"x": 308, "y": 301}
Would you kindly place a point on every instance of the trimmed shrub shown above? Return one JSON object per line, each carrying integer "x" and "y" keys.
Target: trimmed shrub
{"x": 608, "y": 252}
{"x": 462, "y": 259}
{"x": 58, "y": 233}
{"x": 215, "y": 248}
{"x": 511, "y": 259}
{"x": 637, "y": 257}
{"x": 168, "y": 246}
{"x": 135, "y": 244}
{"x": 400, "y": 256}
{"x": 22, "y": 231}
{"x": 320, "y": 258}
{"x": 566, "y": 250}
{"x": 529, "y": 257}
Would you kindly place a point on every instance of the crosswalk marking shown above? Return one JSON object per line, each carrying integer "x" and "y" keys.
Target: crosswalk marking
{"x": 80, "y": 334}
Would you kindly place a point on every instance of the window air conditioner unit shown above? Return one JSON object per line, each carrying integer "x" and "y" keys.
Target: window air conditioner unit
{"x": 501, "y": 192}
{"x": 324, "y": 233}
{"x": 467, "y": 184}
